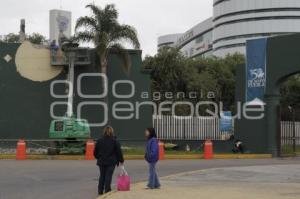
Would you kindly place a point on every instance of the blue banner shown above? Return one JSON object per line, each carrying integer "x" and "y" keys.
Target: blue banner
{"x": 226, "y": 121}
{"x": 256, "y": 69}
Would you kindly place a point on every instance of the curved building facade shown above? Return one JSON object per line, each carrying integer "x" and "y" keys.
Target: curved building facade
{"x": 168, "y": 40}
{"x": 235, "y": 21}
{"x": 193, "y": 43}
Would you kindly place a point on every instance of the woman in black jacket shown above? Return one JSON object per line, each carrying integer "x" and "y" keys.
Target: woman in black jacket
{"x": 109, "y": 155}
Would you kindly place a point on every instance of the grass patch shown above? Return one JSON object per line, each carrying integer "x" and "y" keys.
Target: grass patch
{"x": 288, "y": 150}
{"x": 141, "y": 151}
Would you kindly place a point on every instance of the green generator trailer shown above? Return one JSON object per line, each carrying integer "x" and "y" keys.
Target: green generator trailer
{"x": 70, "y": 134}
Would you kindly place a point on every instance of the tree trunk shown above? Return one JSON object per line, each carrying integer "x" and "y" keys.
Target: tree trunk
{"x": 103, "y": 62}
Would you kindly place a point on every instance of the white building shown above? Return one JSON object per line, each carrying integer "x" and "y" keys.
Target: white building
{"x": 234, "y": 22}
{"x": 60, "y": 24}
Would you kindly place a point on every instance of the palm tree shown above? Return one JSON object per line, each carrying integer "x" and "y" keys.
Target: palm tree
{"x": 103, "y": 29}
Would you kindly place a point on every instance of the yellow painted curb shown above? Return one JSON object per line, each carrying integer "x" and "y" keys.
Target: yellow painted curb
{"x": 242, "y": 156}
{"x": 43, "y": 157}
{"x": 133, "y": 157}
{"x": 141, "y": 157}
{"x": 183, "y": 157}
{"x": 200, "y": 156}
{"x": 7, "y": 156}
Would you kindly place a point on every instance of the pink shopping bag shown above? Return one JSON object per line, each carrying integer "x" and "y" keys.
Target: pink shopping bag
{"x": 123, "y": 180}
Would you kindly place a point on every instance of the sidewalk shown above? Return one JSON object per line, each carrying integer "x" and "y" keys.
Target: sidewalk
{"x": 264, "y": 182}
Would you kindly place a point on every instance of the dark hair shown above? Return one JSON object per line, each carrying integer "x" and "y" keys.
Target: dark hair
{"x": 152, "y": 133}
{"x": 108, "y": 132}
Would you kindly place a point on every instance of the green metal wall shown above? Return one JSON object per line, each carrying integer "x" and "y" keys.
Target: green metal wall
{"x": 25, "y": 104}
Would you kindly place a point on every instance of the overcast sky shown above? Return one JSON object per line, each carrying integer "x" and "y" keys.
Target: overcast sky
{"x": 151, "y": 18}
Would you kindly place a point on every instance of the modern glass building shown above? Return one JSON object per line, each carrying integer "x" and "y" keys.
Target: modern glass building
{"x": 234, "y": 22}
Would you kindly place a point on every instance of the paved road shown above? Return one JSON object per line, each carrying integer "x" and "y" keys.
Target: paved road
{"x": 78, "y": 179}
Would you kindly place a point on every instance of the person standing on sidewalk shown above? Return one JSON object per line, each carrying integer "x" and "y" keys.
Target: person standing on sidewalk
{"x": 109, "y": 155}
{"x": 151, "y": 156}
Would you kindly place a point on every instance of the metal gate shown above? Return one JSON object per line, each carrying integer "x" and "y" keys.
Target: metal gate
{"x": 290, "y": 131}
{"x": 189, "y": 128}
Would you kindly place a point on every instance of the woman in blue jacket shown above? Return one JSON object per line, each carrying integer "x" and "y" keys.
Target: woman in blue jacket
{"x": 151, "y": 156}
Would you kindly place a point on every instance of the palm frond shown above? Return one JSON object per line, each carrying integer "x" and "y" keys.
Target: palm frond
{"x": 86, "y": 21}
{"x": 85, "y": 36}
{"x": 97, "y": 11}
{"x": 111, "y": 11}
{"x": 127, "y": 33}
{"x": 109, "y": 18}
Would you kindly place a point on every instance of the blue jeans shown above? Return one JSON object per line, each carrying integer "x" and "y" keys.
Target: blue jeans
{"x": 153, "y": 181}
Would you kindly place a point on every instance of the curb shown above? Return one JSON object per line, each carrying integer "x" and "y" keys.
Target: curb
{"x": 108, "y": 194}
{"x": 43, "y": 157}
{"x": 139, "y": 157}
